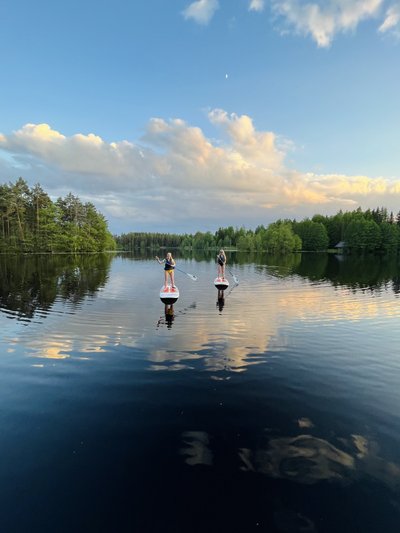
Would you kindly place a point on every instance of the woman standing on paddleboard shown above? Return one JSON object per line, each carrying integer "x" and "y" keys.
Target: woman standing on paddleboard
{"x": 221, "y": 260}
{"x": 168, "y": 269}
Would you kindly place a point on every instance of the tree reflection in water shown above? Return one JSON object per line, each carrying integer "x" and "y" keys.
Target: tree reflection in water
{"x": 31, "y": 284}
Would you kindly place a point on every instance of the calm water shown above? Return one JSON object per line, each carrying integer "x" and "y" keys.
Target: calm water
{"x": 276, "y": 409}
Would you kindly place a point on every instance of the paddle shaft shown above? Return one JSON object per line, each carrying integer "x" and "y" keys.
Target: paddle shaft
{"x": 191, "y": 276}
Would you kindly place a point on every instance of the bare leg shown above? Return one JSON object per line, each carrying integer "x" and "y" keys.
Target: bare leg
{"x": 172, "y": 278}
{"x": 165, "y": 279}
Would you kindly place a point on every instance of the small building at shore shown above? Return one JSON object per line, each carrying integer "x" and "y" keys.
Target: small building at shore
{"x": 340, "y": 246}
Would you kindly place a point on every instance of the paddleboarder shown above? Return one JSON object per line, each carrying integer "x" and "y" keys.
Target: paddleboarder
{"x": 220, "y": 281}
{"x": 169, "y": 268}
{"x": 221, "y": 260}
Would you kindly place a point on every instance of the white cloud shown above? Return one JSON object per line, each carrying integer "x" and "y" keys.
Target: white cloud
{"x": 253, "y": 147}
{"x": 176, "y": 169}
{"x": 201, "y": 11}
{"x": 78, "y": 154}
{"x": 392, "y": 20}
{"x": 257, "y": 5}
{"x": 323, "y": 20}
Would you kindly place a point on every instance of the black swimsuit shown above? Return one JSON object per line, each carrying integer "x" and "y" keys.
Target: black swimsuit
{"x": 168, "y": 266}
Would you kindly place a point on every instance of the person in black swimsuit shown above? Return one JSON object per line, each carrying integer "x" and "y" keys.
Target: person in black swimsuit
{"x": 221, "y": 260}
{"x": 169, "y": 269}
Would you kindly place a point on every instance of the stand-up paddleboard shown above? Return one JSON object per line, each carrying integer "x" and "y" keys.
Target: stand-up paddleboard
{"x": 169, "y": 295}
{"x": 221, "y": 283}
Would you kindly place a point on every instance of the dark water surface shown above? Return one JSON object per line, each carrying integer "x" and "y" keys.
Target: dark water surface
{"x": 277, "y": 409}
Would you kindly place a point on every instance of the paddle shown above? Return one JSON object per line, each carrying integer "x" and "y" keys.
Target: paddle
{"x": 235, "y": 278}
{"x": 191, "y": 276}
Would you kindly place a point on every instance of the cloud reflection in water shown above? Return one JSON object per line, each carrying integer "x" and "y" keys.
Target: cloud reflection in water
{"x": 304, "y": 459}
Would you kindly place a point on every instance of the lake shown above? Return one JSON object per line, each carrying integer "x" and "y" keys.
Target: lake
{"x": 274, "y": 408}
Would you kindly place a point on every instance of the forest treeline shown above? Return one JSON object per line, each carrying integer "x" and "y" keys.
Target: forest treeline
{"x": 32, "y": 222}
{"x": 375, "y": 231}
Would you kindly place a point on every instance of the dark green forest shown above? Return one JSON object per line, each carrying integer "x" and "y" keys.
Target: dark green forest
{"x": 32, "y": 222}
{"x": 358, "y": 231}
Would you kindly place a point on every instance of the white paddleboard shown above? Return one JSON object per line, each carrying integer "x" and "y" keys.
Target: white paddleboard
{"x": 168, "y": 295}
{"x": 221, "y": 283}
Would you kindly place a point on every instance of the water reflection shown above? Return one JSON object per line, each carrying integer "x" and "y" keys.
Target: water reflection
{"x": 368, "y": 272}
{"x": 98, "y": 310}
{"x": 30, "y": 285}
{"x": 223, "y": 294}
{"x": 168, "y": 317}
{"x": 251, "y": 331}
{"x": 298, "y": 346}
{"x": 196, "y": 448}
{"x": 308, "y": 459}
{"x": 305, "y": 458}
{"x": 220, "y": 300}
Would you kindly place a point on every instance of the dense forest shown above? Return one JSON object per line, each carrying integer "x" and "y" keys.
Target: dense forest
{"x": 32, "y": 222}
{"x": 372, "y": 231}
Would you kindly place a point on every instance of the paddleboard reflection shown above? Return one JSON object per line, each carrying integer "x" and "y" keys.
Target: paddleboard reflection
{"x": 168, "y": 317}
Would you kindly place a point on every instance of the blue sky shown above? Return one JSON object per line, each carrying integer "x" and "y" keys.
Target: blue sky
{"x": 185, "y": 116}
